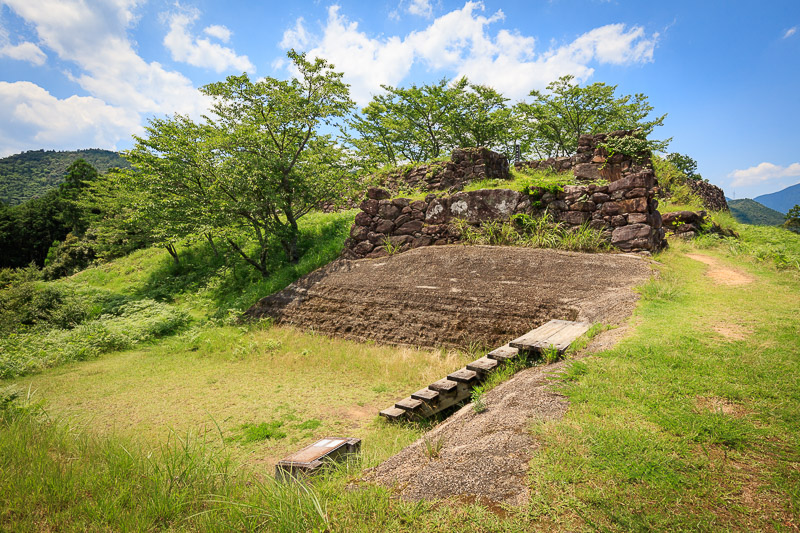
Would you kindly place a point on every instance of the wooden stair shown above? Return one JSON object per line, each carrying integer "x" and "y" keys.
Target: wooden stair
{"x": 457, "y": 387}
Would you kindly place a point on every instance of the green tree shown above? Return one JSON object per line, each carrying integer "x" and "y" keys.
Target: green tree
{"x": 481, "y": 118}
{"x": 553, "y": 121}
{"x": 685, "y": 164}
{"x": 793, "y": 219}
{"x": 420, "y": 123}
{"x": 254, "y": 167}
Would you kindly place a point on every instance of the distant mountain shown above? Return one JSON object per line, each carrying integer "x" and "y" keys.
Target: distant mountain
{"x": 749, "y": 211}
{"x": 33, "y": 173}
{"x": 782, "y": 200}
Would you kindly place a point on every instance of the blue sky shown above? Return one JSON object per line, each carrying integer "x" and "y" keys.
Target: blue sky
{"x": 89, "y": 73}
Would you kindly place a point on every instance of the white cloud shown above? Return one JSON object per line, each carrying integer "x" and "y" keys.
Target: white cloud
{"x": 32, "y": 117}
{"x": 460, "y": 43}
{"x": 24, "y": 52}
{"x": 92, "y": 34}
{"x": 763, "y": 172}
{"x": 220, "y": 32}
{"x": 791, "y": 31}
{"x": 422, "y": 8}
{"x": 298, "y": 37}
{"x": 200, "y": 52}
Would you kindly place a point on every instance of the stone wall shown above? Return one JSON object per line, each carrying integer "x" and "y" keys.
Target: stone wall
{"x": 712, "y": 196}
{"x": 465, "y": 166}
{"x": 591, "y": 161}
{"x": 624, "y": 210}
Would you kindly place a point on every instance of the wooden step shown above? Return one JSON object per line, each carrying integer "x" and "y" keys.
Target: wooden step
{"x": 558, "y": 334}
{"x": 394, "y": 413}
{"x": 426, "y": 395}
{"x": 463, "y": 376}
{"x": 409, "y": 404}
{"x": 314, "y": 457}
{"x": 444, "y": 386}
{"x": 503, "y": 353}
{"x": 483, "y": 366}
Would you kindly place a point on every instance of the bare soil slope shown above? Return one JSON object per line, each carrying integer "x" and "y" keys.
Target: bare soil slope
{"x": 454, "y": 295}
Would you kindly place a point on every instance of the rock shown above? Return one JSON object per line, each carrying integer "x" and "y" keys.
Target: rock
{"x": 377, "y": 253}
{"x": 419, "y": 205}
{"x": 712, "y": 196}
{"x": 587, "y": 171}
{"x": 575, "y": 218}
{"x": 363, "y": 248}
{"x": 359, "y": 233}
{"x": 363, "y": 219}
{"x": 634, "y": 205}
{"x": 400, "y": 203}
{"x": 402, "y": 219}
{"x": 376, "y": 238}
{"x": 636, "y": 193}
{"x": 438, "y": 211}
{"x": 637, "y": 218}
{"x": 424, "y": 240}
{"x": 377, "y": 193}
{"x": 409, "y": 228}
{"x": 385, "y": 227}
{"x": 646, "y": 180}
{"x": 600, "y": 197}
{"x": 618, "y": 220}
{"x": 400, "y": 240}
{"x": 388, "y": 211}
{"x": 633, "y": 236}
{"x": 484, "y": 205}
{"x": 369, "y": 206}
{"x": 583, "y": 206}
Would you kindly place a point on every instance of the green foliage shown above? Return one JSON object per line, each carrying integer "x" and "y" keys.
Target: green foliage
{"x": 793, "y": 219}
{"x": 29, "y": 231}
{"x": 749, "y": 211}
{"x": 673, "y": 184}
{"x": 250, "y": 171}
{"x": 263, "y": 431}
{"x": 34, "y": 173}
{"x": 636, "y": 146}
{"x": 133, "y": 323}
{"x": 423, "y": 123}
{"x": 537, "y": 232}
{"x": 685, "y": 164}
{"x": 552, "y": 123}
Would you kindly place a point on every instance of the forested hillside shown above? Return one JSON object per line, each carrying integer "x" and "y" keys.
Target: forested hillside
{"x": 747, "y": 211}
{"x": 31, "y": 174}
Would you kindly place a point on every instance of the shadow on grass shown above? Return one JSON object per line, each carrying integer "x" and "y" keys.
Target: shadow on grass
{"x": 232, "y": 284}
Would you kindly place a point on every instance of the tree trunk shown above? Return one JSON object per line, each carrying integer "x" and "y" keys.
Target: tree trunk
{"x": 260, "y": 266}
{"x": 173, "y": 252}
{"x": 210, "y": 239}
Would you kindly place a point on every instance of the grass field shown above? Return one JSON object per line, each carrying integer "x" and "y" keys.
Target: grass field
{"x": 692, "y": 423}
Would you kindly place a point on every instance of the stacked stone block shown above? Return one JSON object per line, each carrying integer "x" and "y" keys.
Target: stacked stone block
{"x": 465, "y": 166}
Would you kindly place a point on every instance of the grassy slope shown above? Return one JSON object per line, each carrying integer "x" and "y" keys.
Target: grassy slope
{"x": 678, "y": 428}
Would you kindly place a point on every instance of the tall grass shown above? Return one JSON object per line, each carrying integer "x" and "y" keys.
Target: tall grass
{"x": 143, "y": 297}
{"x": 536, "y": 232}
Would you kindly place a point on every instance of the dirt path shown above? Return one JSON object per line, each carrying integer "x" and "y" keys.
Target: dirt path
{"x": 456, "y": 295}
{"x": 721, "y": 274}
{"x": 484, "y": 456}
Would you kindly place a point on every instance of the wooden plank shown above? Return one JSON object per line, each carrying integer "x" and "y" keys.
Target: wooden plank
{"x": 564, "y": 337}
{"x": 394, "y": 413}
{"x": 408, "y": 404}
{"x": 530, "y": 339}
{"x": 444, "y": 386}
{"x": 503, "y": 353}
{"x": 484, "y": 365}
{"x": 426, "y": 395}
{"x": 463, "y": 376}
